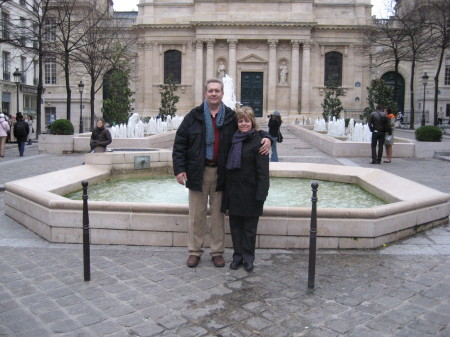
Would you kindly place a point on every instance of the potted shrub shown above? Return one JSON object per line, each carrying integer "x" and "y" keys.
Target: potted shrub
{"x": 428, "y": 133}
{"x": 60, "y": 138}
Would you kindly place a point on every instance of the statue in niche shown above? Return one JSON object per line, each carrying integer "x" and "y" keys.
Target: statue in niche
{"x": 221, "y": 70}
{"x": 283, "y": 73}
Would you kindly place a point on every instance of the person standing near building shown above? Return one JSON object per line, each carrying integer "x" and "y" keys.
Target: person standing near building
{"x": 21, "y": 131}
{"x": 389, "y": 139}
{"x": 274, "y": 131}
{"x": 379, "y": 125}
{"x": 246, "y": 188}
{"x": 200, "y": 152}
{"x": 4, "y": 130}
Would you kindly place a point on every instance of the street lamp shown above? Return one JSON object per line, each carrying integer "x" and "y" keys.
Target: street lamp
{"x": 17, "y": 78}
{"x": 80, "y": 89}
{"x": 424, "y": 82}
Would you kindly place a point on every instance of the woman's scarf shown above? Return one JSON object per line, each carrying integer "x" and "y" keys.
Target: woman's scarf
{"x": 234, "y": 157}
{"x": 209, "y": 134}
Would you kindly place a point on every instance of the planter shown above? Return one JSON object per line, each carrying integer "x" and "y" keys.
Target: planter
{"x": 56, "y": 144}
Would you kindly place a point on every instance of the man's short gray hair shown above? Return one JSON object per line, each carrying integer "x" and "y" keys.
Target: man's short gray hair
{"x": 214, "y": 80}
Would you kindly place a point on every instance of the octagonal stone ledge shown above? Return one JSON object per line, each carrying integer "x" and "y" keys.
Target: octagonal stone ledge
{"x": 35, "y": 203}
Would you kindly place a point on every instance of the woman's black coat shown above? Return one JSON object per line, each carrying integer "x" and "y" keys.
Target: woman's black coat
{"x": 246, "y": 188}
{"x": 100, "y": 137}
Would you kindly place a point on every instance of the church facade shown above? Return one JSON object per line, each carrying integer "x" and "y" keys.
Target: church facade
{"x": 280, "y": 54}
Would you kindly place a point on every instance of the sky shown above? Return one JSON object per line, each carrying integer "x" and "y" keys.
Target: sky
{"x": 129, "y": 5}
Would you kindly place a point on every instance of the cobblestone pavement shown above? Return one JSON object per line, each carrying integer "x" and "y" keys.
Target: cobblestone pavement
{"x": 400, "y": 290}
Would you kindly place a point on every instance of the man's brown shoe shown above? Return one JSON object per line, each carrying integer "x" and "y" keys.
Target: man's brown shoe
{"x": 192, "y": 261}
{"x": 218, "y": 261}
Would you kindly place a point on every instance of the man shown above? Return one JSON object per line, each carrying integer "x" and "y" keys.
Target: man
{"x": 378, "y": 124}
{"x": 200, "y": 152}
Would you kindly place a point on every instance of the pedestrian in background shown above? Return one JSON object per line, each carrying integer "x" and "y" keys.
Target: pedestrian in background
{"x": 4, "y": 130}
{"x": 389, "y": 139}
{"x": 274, "y": 131}
{"x": 21, "y": 131}
{"x": 12, "y": 121}
{"x": 379, "y": 126}
{"x": 32, "y": 134}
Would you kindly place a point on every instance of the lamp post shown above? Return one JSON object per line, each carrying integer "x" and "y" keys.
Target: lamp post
{"x": 424, "y": 82}
{"x": 80, "y": 89}
{"x": 17, "y": 79}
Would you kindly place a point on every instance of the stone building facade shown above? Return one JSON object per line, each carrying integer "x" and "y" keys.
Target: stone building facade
{"x": 279, "y": 53}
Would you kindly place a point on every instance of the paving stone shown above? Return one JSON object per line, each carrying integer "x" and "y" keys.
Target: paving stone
{"x": 147, "y": 329}
{"x": 403, "y": 290}
{"x": 64, "y": 326}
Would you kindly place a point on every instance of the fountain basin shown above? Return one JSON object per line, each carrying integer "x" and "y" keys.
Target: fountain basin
{"x": 38, "y": 204}
{"x": 339, "y": 147}
{"x": 58, "y": 144}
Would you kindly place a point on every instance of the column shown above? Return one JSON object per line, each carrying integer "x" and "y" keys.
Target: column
{"x": 294, "y": 76}
{"x": 210, "y": 67}
{"x": 148, "y": 78}
{"x": 232, "y": 43}
{"x": 306, "y": 79}
{"x": 140, "y": 87}
{"x": 198, "y": 71}
{"x": 272, "y": 76}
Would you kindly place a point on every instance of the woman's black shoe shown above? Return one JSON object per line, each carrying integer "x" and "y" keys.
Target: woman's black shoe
{"x": 236, "y": 264}
{"x": 248, "y": 266}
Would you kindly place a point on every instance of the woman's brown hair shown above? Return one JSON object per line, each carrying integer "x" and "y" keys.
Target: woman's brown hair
{"x": 246, "y": 112}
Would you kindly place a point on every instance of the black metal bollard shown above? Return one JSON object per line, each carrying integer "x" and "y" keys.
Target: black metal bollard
{"x": 313, "y": 236}
{"x": 86, "y": 240}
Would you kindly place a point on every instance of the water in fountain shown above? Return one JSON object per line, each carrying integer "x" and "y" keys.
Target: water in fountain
{"x": 138, "y": 129}
{"x": 336, "y": 128}
{"x": 165, "y": 189}
{"x": 320, "y": 125}
{"x": 359, "y": 132}
{"x": 229, "y": 98}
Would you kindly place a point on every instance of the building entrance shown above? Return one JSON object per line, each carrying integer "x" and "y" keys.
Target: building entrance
{"x": 252, "y": 91}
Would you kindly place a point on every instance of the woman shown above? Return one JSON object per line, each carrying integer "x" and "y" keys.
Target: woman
{"x": 4, "y": 129}
{"x": 31, "y": 135}
{"x": 389, "y": 140}
{"x": 274, "y": 131}
{"x": 21, "y": 131}
{"x": 246, "y": 188}
{"x": 100, "y": 137}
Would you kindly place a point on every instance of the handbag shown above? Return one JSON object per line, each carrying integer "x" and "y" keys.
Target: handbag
{"x": 388, "y": 140}
{"x": 280, "y": 137}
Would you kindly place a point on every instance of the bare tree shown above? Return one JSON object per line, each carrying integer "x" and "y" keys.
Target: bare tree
{"x": 418, "y": 36}
{"x": 69, "y": 18}
{"x": 439, "y": 20}
{"x": 101, "y": 49}
{"x": 28, "y": 35}
{"x": 388, "y": 43}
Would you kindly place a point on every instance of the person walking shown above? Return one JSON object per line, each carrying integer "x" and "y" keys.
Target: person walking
{"x": 199, "y": 155}
{"x": 32, "y": 134}
{"x": 101, "y": 137}
{"x": 4, "y": 130}
{"x": 246, "y": 188}
{"x": 389, "y": 139}
{"x": 274, "y": 131}
{"x": 21, "y": 131}
{"x": 379, "y": 126}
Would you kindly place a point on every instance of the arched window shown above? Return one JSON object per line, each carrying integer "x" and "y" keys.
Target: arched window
{"x": 392, "y": 79}
{"x": 172, "y": 65}
{"x": 333, "y": 67}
